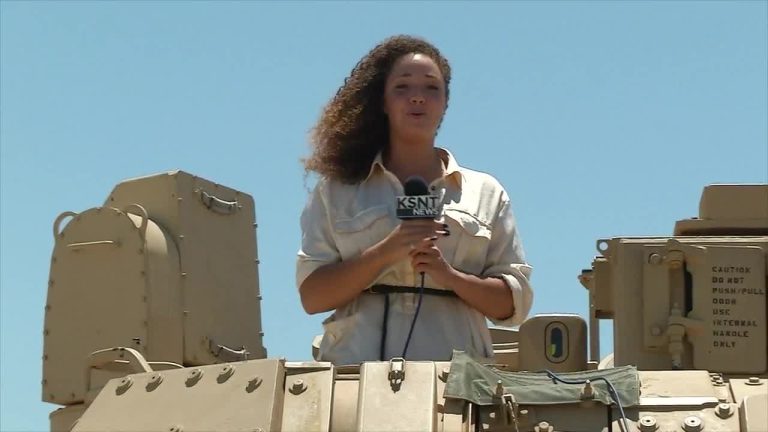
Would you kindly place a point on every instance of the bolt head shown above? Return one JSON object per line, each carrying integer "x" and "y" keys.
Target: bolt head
{"x": 253, "y": 384}
{"x": 692, "y": 424}
{"x": 225, "y": 372}
{"x": 724, "y": 410}
{"x": 193, "y": 377}
{"x": 647, "y": 424}
{"x": 123, "y": 385}
{"x": 298, "y": 387}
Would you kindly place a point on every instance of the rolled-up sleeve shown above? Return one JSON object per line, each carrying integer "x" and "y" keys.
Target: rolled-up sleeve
{"x": 318, "y": 247}
{"x": 506, "y": 260}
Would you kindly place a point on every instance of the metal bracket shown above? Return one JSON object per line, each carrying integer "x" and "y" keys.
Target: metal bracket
{"x": 508, "y": 409}
{"x": 396, "y": 374}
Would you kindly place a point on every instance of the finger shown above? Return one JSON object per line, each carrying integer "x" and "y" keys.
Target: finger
{"x": 429, "y": 224}
{"x": 426, "y": 251}
{"x": 424, "y": 245}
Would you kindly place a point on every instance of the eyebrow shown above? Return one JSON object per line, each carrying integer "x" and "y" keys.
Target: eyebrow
{"x": 408, "y": 74}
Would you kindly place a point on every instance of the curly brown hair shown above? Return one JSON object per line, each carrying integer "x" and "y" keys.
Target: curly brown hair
{"x": 353, "y": 127}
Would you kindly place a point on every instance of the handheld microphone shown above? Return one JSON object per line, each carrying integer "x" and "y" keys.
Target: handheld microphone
{"x": 417, "y": 203}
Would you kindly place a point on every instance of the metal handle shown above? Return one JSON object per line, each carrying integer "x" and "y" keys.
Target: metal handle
{"x": 144, "y": 217}
{"x": 218, "y": 205}
{"x": 227, "y": 354}
{"x": 93, "y": 243}
{"x": 125, "y": 356}
{"x": 58, "y": 221}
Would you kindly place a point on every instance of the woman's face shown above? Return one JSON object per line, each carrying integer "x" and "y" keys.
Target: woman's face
{"x": 414, "y": 97}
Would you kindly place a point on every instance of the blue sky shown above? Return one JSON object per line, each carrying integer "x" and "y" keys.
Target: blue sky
{"x": 601, "y": 118}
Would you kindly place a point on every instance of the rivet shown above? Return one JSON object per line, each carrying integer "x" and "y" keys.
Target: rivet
{"x": 298, "y": 387}
{"x": 647, "y": 424}
{"x": 655, "y": 331}
{"x": 754, "y": 381}
{"x": 655, "y": 259}
{"x": 692, "y": 424}
{"x": 724, "y": 410}
{"x": 253, "y": 384}
{"x": 543, "y": 427}
{"x": 175, "y": 428}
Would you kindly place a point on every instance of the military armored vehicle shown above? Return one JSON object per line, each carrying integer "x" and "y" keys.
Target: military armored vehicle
{"x": 152, "y": 323}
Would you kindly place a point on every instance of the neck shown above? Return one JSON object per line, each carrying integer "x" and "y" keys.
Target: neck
{"x": 406, "y": 158}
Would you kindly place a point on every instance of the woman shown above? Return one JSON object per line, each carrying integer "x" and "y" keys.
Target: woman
{"x": 359, "y": 259}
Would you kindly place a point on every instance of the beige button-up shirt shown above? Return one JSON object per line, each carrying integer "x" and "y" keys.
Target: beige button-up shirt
{"x": 340, "y": 221}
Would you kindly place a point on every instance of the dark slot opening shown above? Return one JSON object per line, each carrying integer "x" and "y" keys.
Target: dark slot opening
{"x": 688, "y": 291}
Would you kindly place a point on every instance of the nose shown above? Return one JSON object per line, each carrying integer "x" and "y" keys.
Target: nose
{"x": 417, "y": 99}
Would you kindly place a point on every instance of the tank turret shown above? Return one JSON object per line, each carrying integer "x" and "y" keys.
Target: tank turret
{"x": 153, "y": 323}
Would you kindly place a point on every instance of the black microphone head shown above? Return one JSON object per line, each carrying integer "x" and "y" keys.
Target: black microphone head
{"x": 415, "y": 185}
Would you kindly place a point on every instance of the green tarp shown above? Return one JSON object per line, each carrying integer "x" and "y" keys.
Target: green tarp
{"x": 472, "y": 381}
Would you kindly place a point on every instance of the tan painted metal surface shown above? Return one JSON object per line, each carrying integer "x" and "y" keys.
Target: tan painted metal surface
{"x": 153, "y": 324}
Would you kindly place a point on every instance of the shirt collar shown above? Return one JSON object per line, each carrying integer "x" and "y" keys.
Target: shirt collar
{"x": 452, "y": 168}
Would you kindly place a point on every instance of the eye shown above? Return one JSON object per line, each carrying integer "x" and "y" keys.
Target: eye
{"x": 433, "y": 87}
{"x": 401, "y": 86}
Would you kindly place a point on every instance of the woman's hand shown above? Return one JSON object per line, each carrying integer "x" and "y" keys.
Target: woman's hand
{"x": 409, "y": 236}
{"x": 429, "y": 259}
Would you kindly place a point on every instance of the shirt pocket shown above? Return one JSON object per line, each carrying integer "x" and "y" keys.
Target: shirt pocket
{"x": 335, "y": 343}
{"x": 356, "y": 233}
{"x": 472, "y": 239}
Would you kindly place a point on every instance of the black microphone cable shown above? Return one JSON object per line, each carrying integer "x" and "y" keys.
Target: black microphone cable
{"x": 415, "y": 315}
